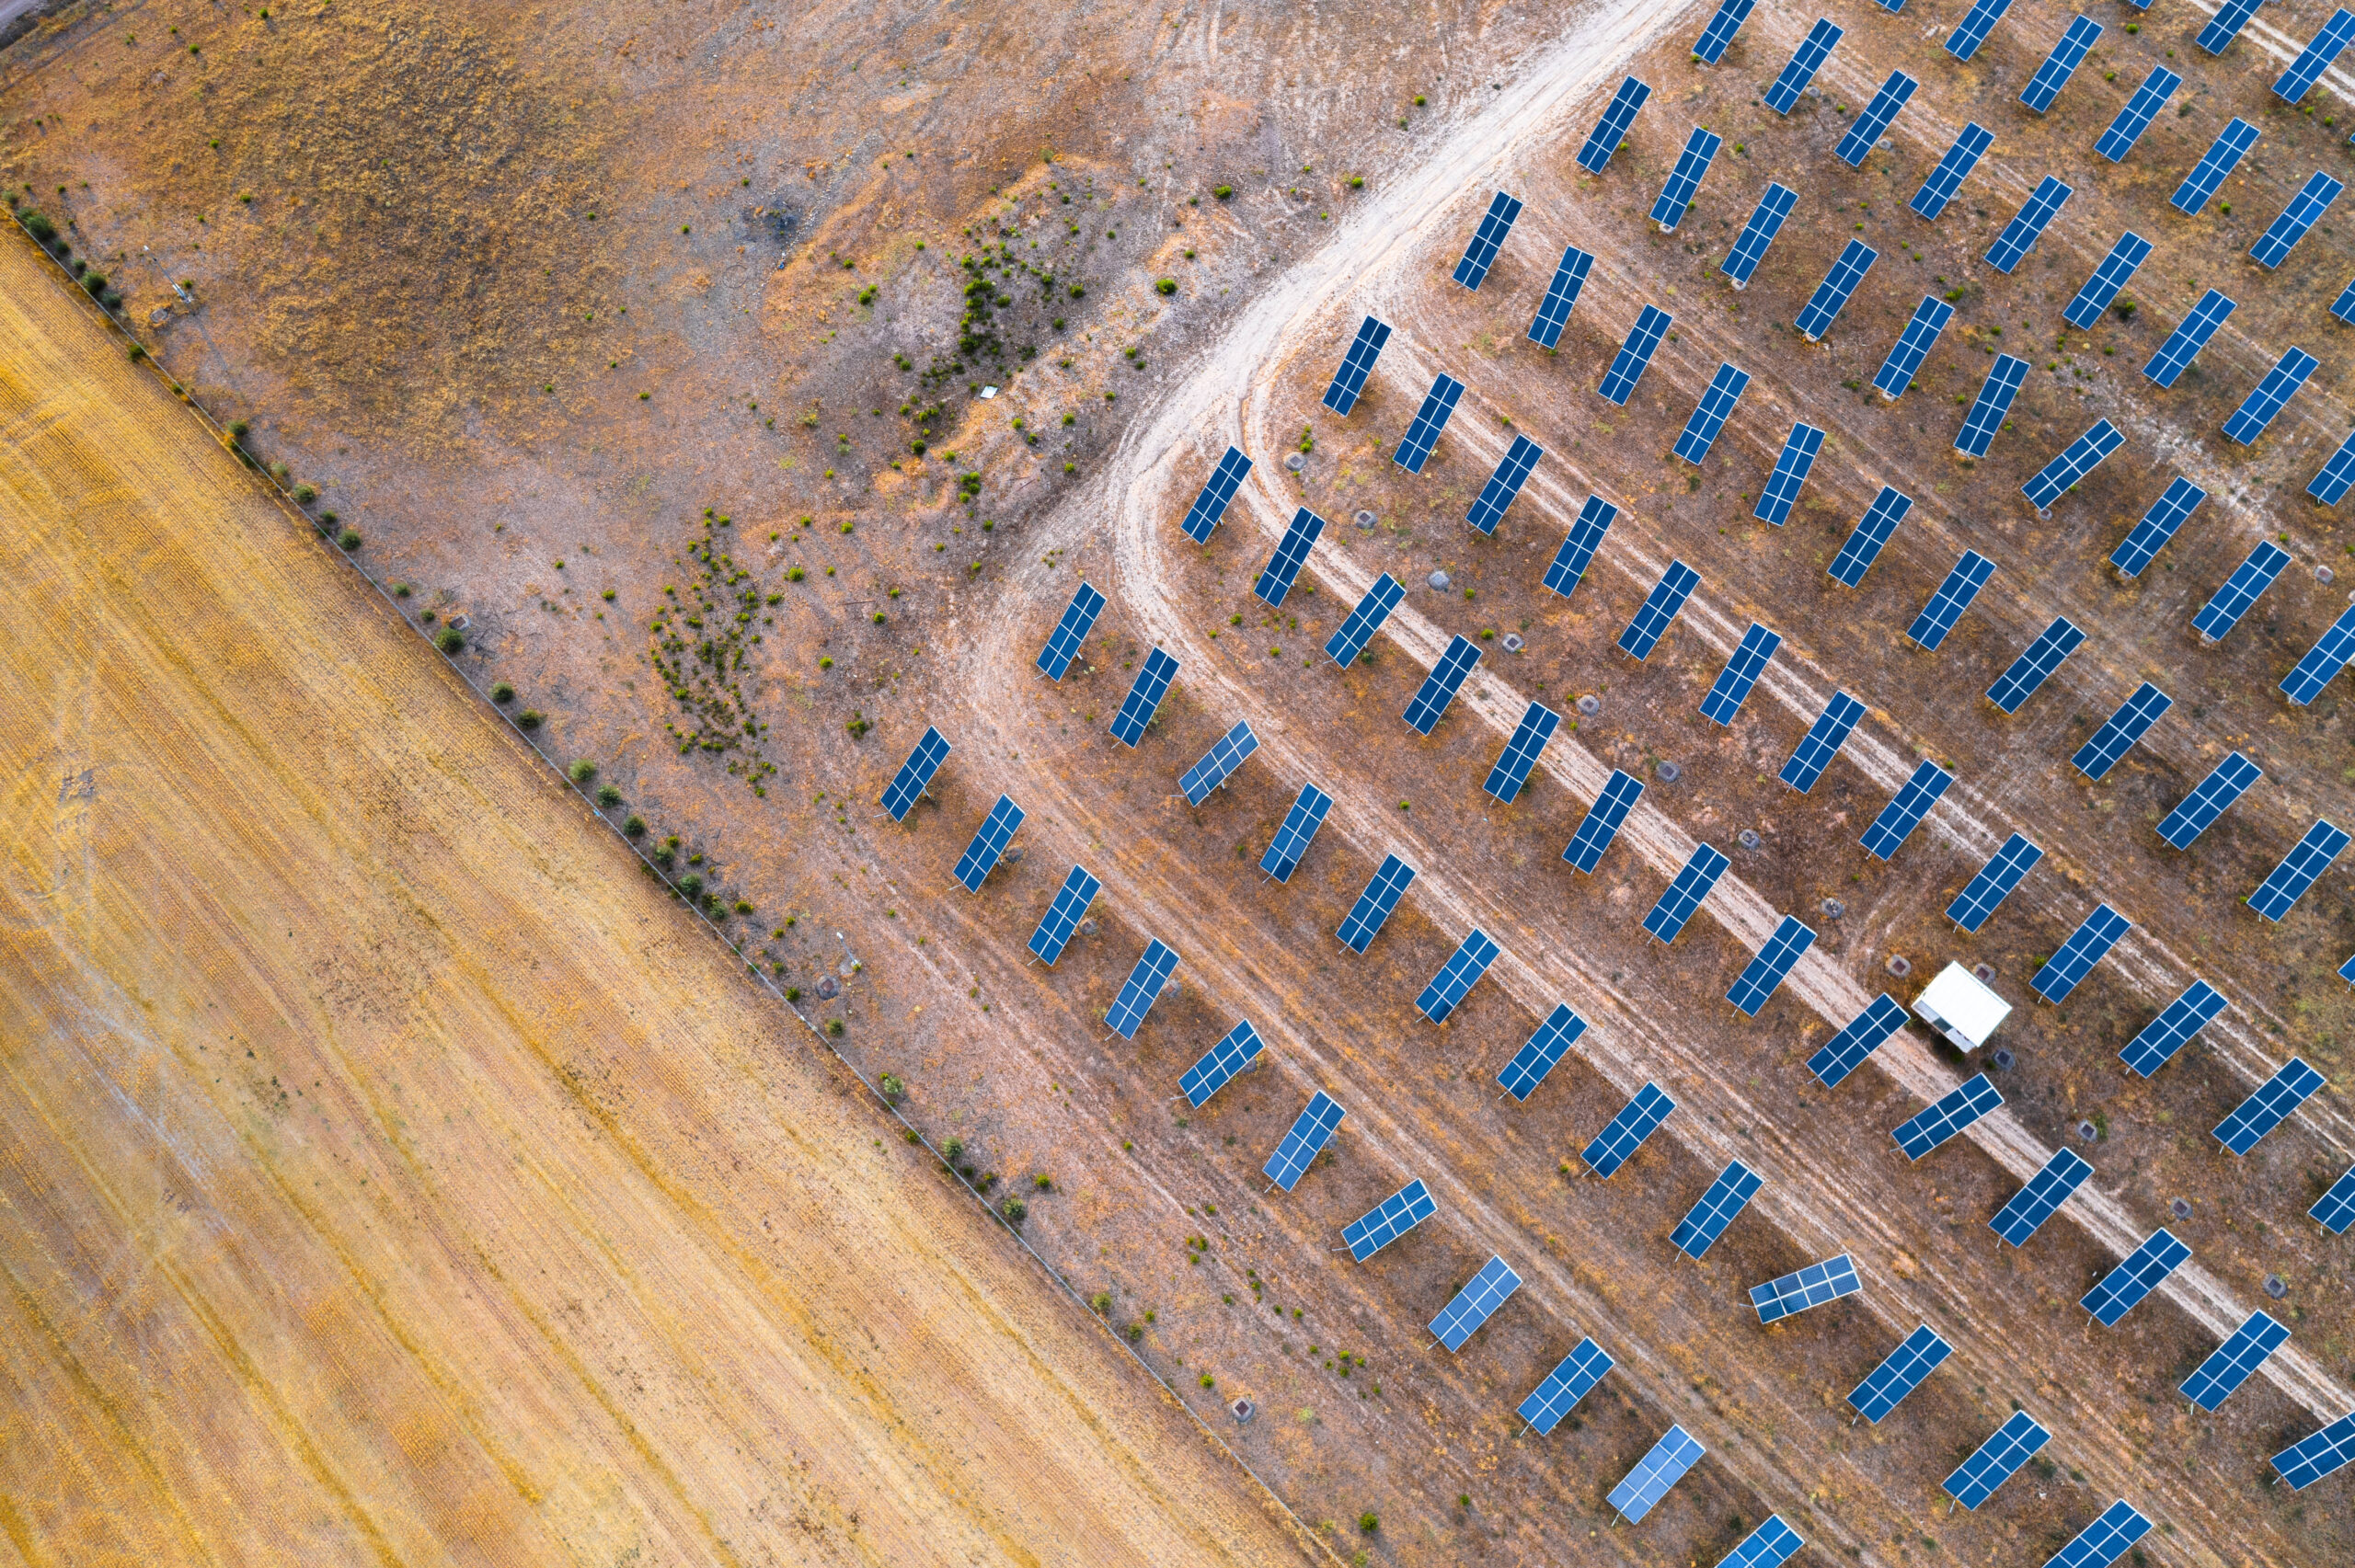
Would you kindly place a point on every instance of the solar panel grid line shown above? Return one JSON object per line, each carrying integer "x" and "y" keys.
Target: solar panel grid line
{"x": 1954, "y": 595}
{"x": 1872, "y": 531}
{"x": 1913, "y": 346}
{"x": 2229, "y": 1364}
{"x": 1585, "y": 537}
{"x": 1822, "y": 741}
{"x": 1766, "y": 221}
{"x": 2079, "y": 458}
{"x": 1306, "y": 1138}
{"x": 1718, "y": 35}
{"x": 2136, "y": 116}
{"x": 1708, "y": 1220}
{"x": 2148, "y": 537}
{"x": 2012, "y": 1445}
{"x": 1709, "y": 416}
{"x": 1805, "y": 62}
{"x": 2270, "y": 396}
{"x": 1954, "y": 167}
{"x": 1350, "y": 638}
{"x": 1561, "y": 298}
{"x": 1905, "y": 810}
{"x": 2136, "y": 1276}
{"x": 1658, "y": 610}
{"x": 2273, "y": 1102}
{"x": 1438, "y": 688}
{"x": 1217, "y": 492}
{"x": 2118, "y": 732}
{"x": 1901, "y": 1371}
{"x": 1504, "y": 484}
{"x": 1684, "y": 180}
{"x": 1742, "y": 670}
{"x": 2305, "y": 209}
{"x": 1989, "y": 409}
{"x": 1382, "y": 891}
{"x": 2226, "y": 24}
{"x": 2245, "y": 587}
{"x": 1860, "y": 1038}
{"x": 2223, "y": 156}
{"x": 1771, "y": 1545}
{"x": 1388, "y": 1220}
{"x": 908, "y": 785}
{"x": 2319, "y": 55}
{"x": 1216, "y": 1068}
{"x": 1290, "y": 846}
{"x": 1971, "y": 31}
{"x": 2190, "y": 336}
{"x": 2029, "y": 1207}
{"x": 1227, "y": 754}
{"x": 1356, "y": 365}
{"x": 1603, "y": 820}
{"x": 2335, "y": 1211}
{"x": 1430, "y": 420}
{"x": 2035, "y": 665}
{"x": 1064, "y": 914}
{"x": 1765, "y": 974}
{"x": 1481, "y": 254}
{"x": 2130, "y": 251}
{"x": 1572, "y": 1378}
{"x": 1995, "y": 883}
{"x": 1948, "y": 1115}
{"x": 1474, "y": 1304}
{"x": 1824, "y": 305}
{"x": 2087, "y": 945}
{"x": 1618, "y": 1141}
{"x": 1140, "y": 989}
{"x": 1613, "y": 127}
{"x": 1537, "y": 726}
{"x": 1873, "y": 123}
{"x": 1662, "y": 1467}
{"x": 1687, "y": 893}
{"x": 2324, "y": 1453}
{"x": 1456, "y": 977}
{"x": 2156, "y": 1044}
{"x": 2059, "y": 65}
{"x": 1801, "y": 1289}
{"x": 2307, "y": 859}
{"x": 1144, "y": 699}
{"x": 1540, "y": 1053}
{"x": 2103, "y": 1542}
{"x": 981, "y": 856}
{"x": 2322, "y": 662}
{"x": 1791, "y": 469}
{"x": 1628, "y": 365}
{"x": 1071, "y": 632}
{"x": 2332, "y": 480}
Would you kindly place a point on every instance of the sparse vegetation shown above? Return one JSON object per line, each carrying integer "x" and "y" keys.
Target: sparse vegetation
{"x": 530, "y": 718}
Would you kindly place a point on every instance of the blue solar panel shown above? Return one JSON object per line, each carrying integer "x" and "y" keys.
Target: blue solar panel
{"x": 1064, "y": 915}
{"x": 1873, "y": 122}
{"x": 2136, "y": 117}
{"x": 2313, "y": 200}
{"x": 2103, "y": 1542}
{"x": 1805, "y": 63}
{"x": 1628, "y": 366}
{"x": 1954, "y": 595}
{"x": 1438, "y": 688}
{"x": 1969, "y": 146}
{"x": 2134, "y": 1279}
{"x": 1140, "y": 989}
{"x": 2121, "y": 731}
{"x": 2323, "y": 661}
{"x": 1971, "y": 31}
{"x": 1144, "y": 699}
{"x": 1684, "y": 180}
{"x": 2330, "y": 483}
{"x": 2248, "y": 582}
{"x": 1684, "y": 894}
{"x": 2036, "y": 665}
{"x": 1430, "y": 420}
{"x": 1771, "y": 1545}
{"x": 1954, "y": 1111}
{"x": 1217, "y": 491}
{"x": 2336, "y": 1210}
{"x": 2231, "y": 145}
{"x": 1358, "y": 364}
{"x": 2079, "y": 458}
{"x": 1913, "y": 346}
{"x": 1658, "y": 1470}
{"x": 909, "y": 784}
{"x": 1226, "y": 754}
{"x": 1872, "y": 531}
{"x": 1718, "y": 35}
{"x": 1765, "y": 222}
{"x": 990, "y": 840}
{"x": 1865, "y": 1034}
{"x": 1899, "y": 1373}
{"x": 2176, "y": 1025}
{"x": 1481, "y": 253}
{"x": 1565, "y": 1385}
{"x": 2130, "y": 251}
{"x": 1529, "y": 737}
{"x": 2059, "y": 65}
{"x": 1813, "y": 1286}
{"x": 1710, "y": 414}
{"x": 1540, "y": 1053}
{"x": 2226, "y": 24}
{"x": 2013, "y": 1443}
{"x": 1310, "y": 1133}
{"x": 1290, "y": 846}
{"x": 2269, "y": 1108}
{"x": 1350, "y": 639}
{"x": 1740, "y": 673}
{"x": 1613, "y": 127}
{"x": 1823, "y": 306}
{"x": 2309, "y": 1460}
{"x": 1905, "y": 810}
{"x": 1822, "y": 742}
{"x": 1561, "y": 298}
{"x": 2183, "y": 345}
{"x": 1659, "y": 609}
{"x": 2093, "y": 939}
{"x": 2226, "y": 783}
{"x": 2318, "y": 57}
{"x": 1505, "y": 483}
{"x": 1292, "y": 554}
{"x": 1237, "y": 1049}
{"x": 1079, "y": 619}
{"x": 2232, "y": 1362}
{"x": 2041, "y": 1199}
{"x": 1579, "y": 545}
{"x": 2149, "y": 536}
{"x": 1637, "y": 1121}
{"x": 1994, "y": 402}
{"x": 1388, "y": 1220}
{"x": 1457, "y": 976}
{"x": 2343, "y": 307}
{"x": 1473, "y": 1305}
{"x": 2019, "y": 235}
{"x": 2281, "y": 383}
{"x": 1706, "y": 1220}
{"x": 1765, "y": 973}
{"x": 1374, "y": 906}
{"x": 1995, "y": 883}
{"x": 1601, "y": 822}
{"x": 1791, "y": 469}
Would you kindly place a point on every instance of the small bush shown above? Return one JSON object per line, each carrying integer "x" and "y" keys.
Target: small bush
{"x": 1368, "y": 1523}
{"x": 500, "y": 691}
{"x": 608, "y": 795}
{"x": 38, "y": 225}
{"x": 1016, "y": 1211}
{"x": 953, "y": 1151}
{"x": 1167, "y": 285}
{"x": 893, "y": 1088}
{"x": 1357, "y": 182}
{"x": 635, "y": 826}
{"x": 449, "y": 640}
{"x": 1101, "y": 1301}
{"x": 833, "y": 1026}
{"x": 1043, "y": 1182}
{"x": 238, "y": 430}
{"x": 305, "y": 493}
{"x": 691, "y": 884}
{"x": 857, "y": 725}
{"x": 348, "y": 539}
{"x": 137, "y": 352}
{"x": 742, "y": 906}
{"x": 582, "y": 771}
{"x": 1222, "y": 191}
{"x": 530, "y": 718}
{"x": 278, "y": 472}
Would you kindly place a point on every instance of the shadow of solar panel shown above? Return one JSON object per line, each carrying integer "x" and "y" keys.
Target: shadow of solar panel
{"x": 1635, "y": 354}
{"x": 1141, "y": 989}
{"x": 1872, "y": 531}
{"x": 1438, "y": 688}
{"x": 2034, "y": 1204}
{"x": 1567, "y": 1383}
{"x": 1954, "y": 595}
{"x": 2244, "y": 588}
{"x": 1529, "y": 737}
{"x": 1504, "y": 484}
{"x": 998, "y": 831}
{"x": 1473, "y": 1305}
{"x": 2330, "y": 483}
{"x": 1805, "y": 63}
{"x": 2269, "y": 1108}
{"x": 2130, "y": 251}
{"x": 915, "y": 774}
{"x": 1064, "y": 915}
{"x": 1952, "y": 1112}
{"x": 1290, "y": 843}
{"x": 2226, "y": 24}
{"x": 1822, "y": 741}
{"x": 1613, "y": 127}
{"x": 1709, "y": 416}
{"x": 1814, "y": 1286}
{"x": 1431, "y": 419}
{"x": 1601, "y": 822}
{"x": 1585, "y": 537}
{"x": 1292, "y": 554}
{"x": 1824, "y": 305}
{"x": 1388, "y": 1220}
{"x": 2149, "y": 536}
{"x": 1899, "y": 1374}
{"x": 1684, "y": 180}
{"x": 1350, "y": 639}
{"x": 1873, "y": 123}
{"x": 1561, "y": 298}
{"x": 2136, "y": 117}
{"x": 1913, "y": 346}
{"x": 2134, "y": 1279}
{"x": 1732, "y": 686}
{"x": 2079, "y": 458}
{"x": 2319, "y": 55}
{"x": 2230, "y": 1365}
{"x": 1763, "y": 975}
{"x": 1771, "y": 1545}
{"x": 1954, "y": 167}
{"x": 1481, "y": 253}
{"x": 2183, "y": 345}
{"x": 2270, "y": 396}
{"x": 2121, "y": 731}
{"x": 2035, "y": 666}
{"x": 2172, "y": 1029}
{"x": 2225, "y": 783}
{"x": 2223, "y": 156}
{"x": 1237, "y": 1049}
{"x": 1718, "y": 35}
{"x": 1227, "y": 754}
{"x": 2059, "y": 65}
{"x": 1684, "y": 895}
{"x": 2334, "y": 1212}
{"x": 1540, "y": 1053}
{"x": 2013, "y": 1445}
{"x": 2105, "y": 1540}
{"x": 1217, "y": 491}
{"x": 1658, "y": 610}
{"x": 1078, "y": 620}
{"x": 1662, "y": 1467}
{"x": 1971, "y": 31}
{"x": 2086, "y": 946}
{"x": 1989, "y": 407}
{"x": 1862, "y": 1036}
{"x": 1310, "y": 1132}
{"x": 1382, "y": 893}
{"x": 2323, "y": 661}
{"x": 1995, "y": 883}
{"x": 2305, "y": 209}
{"x": 1637, "y": 1121}
{"x": 1765, "y": 222}
{"x": 1144, "y": 699}
{"x": 1356, "y": 365}
{"x": 2309, "y": 1460}
{"x": 1791, "y": 469}
{"x": 1706, "y": 1220}
{"x": 1457, "y": 977}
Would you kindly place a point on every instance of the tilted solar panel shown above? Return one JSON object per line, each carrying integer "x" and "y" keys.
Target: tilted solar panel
{"x": 1561, "y": 298}
{"x": 1684, "y": 180}
{"x": 1474, "y": 1304}
{"x": 2136, "y": 117}
{"x": 2134, "y": 1279}
{"x": 1864, "y": 1035}
{"x": 1388, "y": 1220}
{"x": 1971, "y": 31}
{"x": 1684, "y": 895}
{"x": 2059, "y": 65}
{"x": 1709, "y": 416}
{"x": 1236, "y": 1049}
{"x": 990, "y": 840}
{"x": 1658, "y": 610}
{"x": 1064, "y": 914}
{"x": 1905, "y": 810}
{"x": 2269, "y": 1108}
{"x": 2183, "y": 345}
{"x": 1217, "y": 492}
{"x": 1439, "y": 403}
{"x": 1613, "y": 127}
{"x": 1954, "y": 595}
{"x": 1763, "y": 975}
{"x": 1706, "y": 1220}
{"x": 1497, "y": 493}
{"x": 1663, "y": 1467}
{"x": 2318, "y": 56}
{"x": 1766, "y": 221}
{"x": 1873, "y": 123}
{"x": 2121, "y": 731}
{"x": 1995, "y": 883}
{"x": 1791, "y": 470}
{"x": 1822, "y": 741}
{"x": 909, "y": 784}
{"x": 1358, "y": 364}
{"x": 1350, "y": 638}
{"x": 1952, "y": 1112}
{"x": 1145, "y": 697}
{"x": 2305, "y": 209}
{"x": 2323, "y": 661}
{"x": 2130, "y": 251}
{"x": 1290, "y": 843}
{"x": 1989, "y": 408}
{"x": 1601, "y": 822}
{"x": 1913, "y": 346}
{"x": 2036, "y": 665}
{"x": 2334, "y": 1212}
{"x": 2330, "y": 483}
{"x": 1637, "y": 1121}
{"x": 1628, "y": 366}
{"x": 1824, "y": 305}
{"x": 1771, "y": 1545}
{"x": 2103, "y": 1542}
{"x": 1457, "y": 976}
{"x": 2079, "y": 458}
{"x": 1585, "y": 537}
{"x": 1291, "y": 553}
{"x": 1899, "y": 1373}
{"x": 2176, "y": 1025}
{"x": 1141, "y": 989}
{"x": 2222, "y": 155}
{"x": 2019, "y": 235}
{"x": 1812, "y": 52}
{"x": 1872, "y": 531}
{"x": 1540, "y": 1053}
{"x": 1571, "y": 1381}
{"x": 2306, "y": 861}
{"x": 2229, "y": 1366}
{"x": 1718, "y": 35}
{"x": 2013, "y": 1445}
{"x": 2087, "y": 945}
{"x": 1813, "y": 1286}
{"x": 2281, "y": 385}
{"x": 1969, "y": 146}
{"x": 2343, "y": 307}
{"x": 2244, "y": 588}
{"x": 1382, "y": 894}
{"x": 2226, "y": 24}
{"x": 1537, "y": 725}
{"x": 1311, "y": 1131}
{"x": 1438, "y": 688}
{"x": 1078, "y": 620}
{"x": 2327, "y": 1453}
{"x": 2034, "y": 1204}
{"x": 1226, "y": 754}
{"x": 2149, "y": 536}
{"x": 1742, "y": 672}
{"x": 1481, "y": 253}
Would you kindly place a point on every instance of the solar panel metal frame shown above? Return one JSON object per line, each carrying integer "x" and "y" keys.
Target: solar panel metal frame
{"x": 2332, "y": 480}
{"x": 1540, "y": 1053}
{"x": 1971, "y": 144}
{"x": 2321, "y": 53}
{"x": 1766, "y": 221}
{"x": 2036, "y": 664}
{"x": 2223, "y": 155}
{"x": 2190, "y": 336}
{"x": 2323, "y": 661}
{"x": 1349, "y": 382}
{"x": 1913, "y": 346}
{"x": 1805, "y": 62}
{"x": 1375, "y": 905}
{"x": 1480, "y": 252}
{"x": 2226, "y": 24}
{"x": 2244, "y": 588}
{"x": 1716, "y": 1209}
{"x": 2181, "y": 1018}
{"x": 1350, "y": 638}
{"x": 2266, "y": 399}
{"x": 2306, "y": 210}
{"x": 1819, "y": 1284}
{"x": 1438, "y": 688}
{"x": 1141, "y": 989}
{"x": 2274, "y": 1102}
{"x": 2324, "y": 1453}
{"x": 2028, "y": 1209}
{"x": 1861, "y": 1036}
{"x": 1749, "y": 661}
{"x": 1388, "y": 1220}
{"x": 1685, "y": 895}
{"x": 1228, "y": 753}
{"x": 1718, "y": 35}
{"x": 2027, "y": 225}
{"x": 2121, "y": 730}
{"x": 1512, "y": 472}
{"x": 1635, "y": 356}
{"x": 2012, "y": 1445}
{"x": 1618, "y": 119}
{"x": 1830, "y": 295}
{"x": 1872, "y": 531}
{"x": 1561, "y": 298}
{"x": 1217, "y": 493}
{"x": 1954, "y": 595}
{"x": 2059, "y": 65}
{"x": 1709, "y": 414}
{"x": 1948, "y": 1115}
{"x": 1771, "y": 1545}
{"x": 2209, "y": 799}
{"x": 1071, "y": 632}
{"x": 2130, "y": 251}
{"x": 1791, "y": 469}
{"x": 1822, "y": 741}
{"x": 1625, "y": 1133}
{"x": 1456, "y": 977}
{"x": 1537, "y": 726}
{"x": 1995, "y": 882}
{"x": 2136, "y": 116}
{"x": 989, "y": 842}
{"x": 1587, "y": 533}
{"x": 1572, "y": 1378}
{"x": 2139, "y": 1273}
{"x": 1064, "y": 914}
{"x": 1659, "y": 610}
{"x": 1971, "y": 31}
{"x": 2086, "y": 946}
{"x": 2343, "y": 307}
{"x": 2077, "y": 460}
{"x": 1217, "y": 1066}
{"x": 2103, "y": 1542}
{"x": 1603, "y": 820}
{"x": 1901, "y": 1371}
{"x": 2229, "y": 1364}
{"x": 1684, "y": 180}
{"x": 1310, "y": 1132}
{"x": 1143, "y": 700}
{"x": 1291, "y": 553}
{"x": 1989, "y": 409}
{"x": 1662, "y": 1467}
{"x": 1289, "y": 846}
{"x": 1874, "y": 122}
{"x": 1475, "y": 1304}
{"x": 908, "y": 785}
{"x": 2335, "y": 1211}
{"x": 2158, "y": 525}
{"x": 1429, "y": 423}
{"x": 1763, "y": 975}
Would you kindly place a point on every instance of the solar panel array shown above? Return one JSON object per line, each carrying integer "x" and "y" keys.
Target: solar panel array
{"x": 1627, "y": 365}
{"x": 1290, "y": 843}
{"x": 2244, "y": 588}
{"x": 1144, "y": 698}
{"x": 1709, "y": 416}
{"x": 1765, "y": 222}
{"x": 2118, "y": 732}
{"x": 909, "y": 784}
{"x": 1561, "y": 298}
{"x": 1969, "y": 146}
{"x": 2034, "y": 1204}
{"x": 1662, "y": 1467}
{"x": 1422, "y": 435}
{"x": 1473, "y": 1305}
{"x": 1873, "y": 123}
{"x": 1684, "y": 894}
{"x": 1862, "y": 1036}
{"x": 2183, "y": 345}
{"x": 1601, "y": 822}
{"x": 1805, "y": 62}
{"x": 1765, "y": 973}
{"x": 1995, "y": 882}
{"x": 1992, "y": 404}
{"x": 2059, "y": 65}
{"x": 2230, "y": 1365}
{"x": 1497, "y": 493}
{"x": 2149, "y": 536}
{"x": 1291, "y": 553}
{"x": 1905, "y": 810}
{"x": 2306, "y": 861}
{"x": 1823, "y": 306}
{"x": 1311, "y": 1131}
{"x": 1438, "y": 688}
{"x": 2318, "y": 57}
{"x": 1236, "y": 1049}
{"x": 1481, "y": 253}
{"x": 1952, "y": 1112}
{"x": 1227, "y": 754}
{"x": 2086, "y": 946}
{"x": 1899, "y": 1373}
{"x": 1913, "y": 346}
{"x": 1064, "y": 915}
{"x": 1771, "y": 1545}
{"x": 2270, "y": 396}
{"x": 2105, "y": 1540}
{"x": 1813, "y": 1286}
{"x": 1659, "y": 609}
{"x": 1529, "y": 737}
{"x": 2155, "y": 1045}
{"x": 1388, "y": 1220}
{"x": 1613, "y": 127}
{"x": 1971, "y": 31}
{"x": 2013, "y": 1445}
{"x": 2330, "y": 483}
{"x": 1706, "y": 1220}
{"x": 1542, "y": 1052}
{"x": 1382, "y": 894}
{"x": 2223, "y": 156}
{"x": 1457, "y": 976}
{"x": 1872, "y": 531}
{"x": 1570, "y": 1380}
{"x": 2136, "y": 117}
{"x": 2269, "y": 1108}
{"x": 1718, "y": 35}
{"x": 1782, "y": 492}
{"x": 2335, "y": 1211}
{"x": 1358, "y": 364}
{"x": 1585, "y": 537}
{"x": 1684, "y": 180}
{"x": 2017, "y": 683}
{"x": 2327, "y": 1453}
{"x": 1742, "y": 672}
{"x": 2019, "y": 235}
{"x": 1954, "y": 595}
{"x": 2134, "y": 1279}
{"x": 1822, "y": 741}
{"x": 2079, "y": 458}
{"x": 2305, "y": 209}
{"x": 1350, "y": 638}
{"x": 1141, "y": 989}
{"x": 2323, "y": 661}
{"x": 1217, "y": 492}
{"x": 1637, "y": 1121}
{"x": 1078, "y": 620}
{"x": 990, "y": 840}
{"x": 2130, "y": 251}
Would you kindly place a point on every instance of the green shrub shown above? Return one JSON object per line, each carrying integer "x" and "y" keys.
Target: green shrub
{"x": 582, "y": 771}
{"x": 500, "y": 691}
{"x": 348, "y": 539}
{"x": 607, "y": 794}
{"x": 238, "y": 430}
{"x": 1368, "y": 1523}
{"x": 449, "y": 640}
{"x": 1222, "y": 191}
{"x": 833, "y": 1026}
{"x": 1016, "y": 1211}
{"x": 305, "y": 493}
{"x": 1101, "y": 1301}
{"x": 893, "y": 1088}
{"x": 38, "y": 225}
{"x": 635, "y": 826}
{"x": 137, "y": 352}
{"x": 530, "y": 718}
{"x": 1167, "y": 285}
{"x": 742, "y": 906}
{"x": 1357, "y": 182}
{"x": 691, "y": 884}
{"x": 953, "y": 1151}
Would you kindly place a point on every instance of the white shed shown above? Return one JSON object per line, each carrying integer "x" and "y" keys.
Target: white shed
{"x": 1957, "y": 1006}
